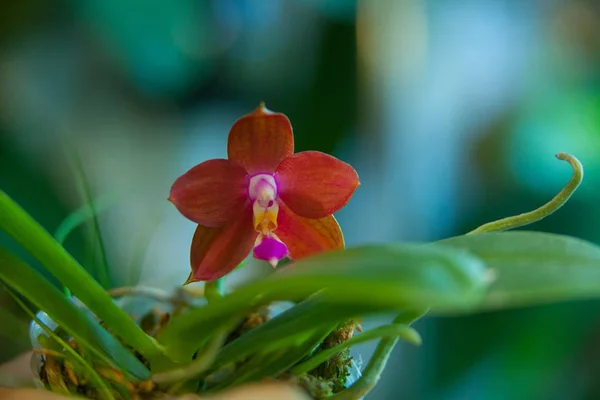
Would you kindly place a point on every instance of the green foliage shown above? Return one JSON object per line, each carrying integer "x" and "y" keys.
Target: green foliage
{"x": 529, "y": 268}
{"x": 18, "y": 224}
{"x": 464, "y": 274}
{"x": 57, "y": 344}
{"x": 362, "y": 280}
{"x": 77, "y": 322}
{"x": 387, "y": 331}
{"x": 102, "y": 272}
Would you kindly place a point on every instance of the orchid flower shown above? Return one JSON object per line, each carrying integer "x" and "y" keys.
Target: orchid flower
{"x": 263, "y": 198}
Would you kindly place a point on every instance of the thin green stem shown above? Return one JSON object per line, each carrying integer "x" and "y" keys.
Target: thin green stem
{"x": 74, "y": 220}
{"x": 82, "y": 215}
{"x": 196, "y": 367}
{"x": 533, "y": 216}
{"x": 104, "y": 392}
{"x": 103, "y": 274}
{"x": 214, "y": 289}
{"x": 86, "y": 193}
{"x": 140, "y": 244}
{"x": 386, "y": 331}
{"x": 372, "y": 372}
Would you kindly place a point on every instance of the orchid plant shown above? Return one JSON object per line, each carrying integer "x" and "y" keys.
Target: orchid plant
{"x": 276, "y": 204}
{"x": 263, "y": 197}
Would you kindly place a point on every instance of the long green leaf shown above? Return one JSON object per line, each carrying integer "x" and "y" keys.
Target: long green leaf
{"x": 289, "y": 329}
{"x": 103, "y": 389}
{"x": 35, "y": 239}
{"x": 529, "y": 268}
{"x": 280, "y": 360}
{"x": 388, "y": 278}
{"x": 78, "y": 323}
{"x": 13, "y": 327}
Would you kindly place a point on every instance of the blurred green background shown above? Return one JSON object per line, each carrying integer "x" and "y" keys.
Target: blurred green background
{"x": 450, "y": 110}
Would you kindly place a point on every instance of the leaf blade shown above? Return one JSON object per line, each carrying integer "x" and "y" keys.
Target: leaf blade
{"x": 79, "y": 324}
{"x": 386, "y": 278}
{"x": 38, "y": 242}
{"x": 530, "y": 268}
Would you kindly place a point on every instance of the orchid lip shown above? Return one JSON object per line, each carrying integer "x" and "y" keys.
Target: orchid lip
{"x": 270, "y": 248}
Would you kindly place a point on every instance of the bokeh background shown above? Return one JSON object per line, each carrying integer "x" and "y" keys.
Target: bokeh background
{"x": 450, "y": 110}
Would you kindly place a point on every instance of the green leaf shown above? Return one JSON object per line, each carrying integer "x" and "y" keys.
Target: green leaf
{"x": 13, "y": 327}
{"x": 203, "y": 361}
{"x": 288, "y": 329}
{"x": 25, "y": 230}
{"x": 529, "y": 268}
{"x": 280, "y": 360}
{"x": 382, "y": 278}
{"x": 86, "y": 369}
{"x": 267, "y": 363}
{"x": 75, "y": 321}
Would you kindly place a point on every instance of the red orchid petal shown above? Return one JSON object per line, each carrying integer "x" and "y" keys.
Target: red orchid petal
{"x": 304, "y": 236}
{"x": 260, "y": 140}
{"x": 217, "y": 251}
{"x": 211, "y": 192}
{"x": 315, "y": 184}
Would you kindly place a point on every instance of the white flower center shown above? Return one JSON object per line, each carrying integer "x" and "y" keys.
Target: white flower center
{"x": 263, "y": 194}
{"x": 263, "y": 189}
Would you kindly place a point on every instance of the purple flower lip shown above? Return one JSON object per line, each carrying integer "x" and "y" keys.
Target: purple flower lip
{"x": 271, "y": 250}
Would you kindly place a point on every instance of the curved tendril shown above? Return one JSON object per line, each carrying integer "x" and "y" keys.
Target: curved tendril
{"x": 533, "y": 216}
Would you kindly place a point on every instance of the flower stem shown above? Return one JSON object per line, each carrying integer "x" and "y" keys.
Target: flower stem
{"x": 213, "y": 289}
{"x": 533, "y": 216}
